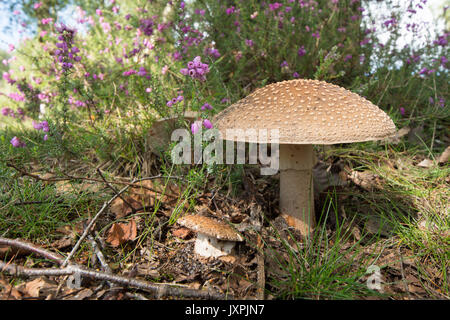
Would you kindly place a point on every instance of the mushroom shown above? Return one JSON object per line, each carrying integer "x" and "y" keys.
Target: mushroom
{"x": 305, "y": 112}
{"x": 214, "y": 238}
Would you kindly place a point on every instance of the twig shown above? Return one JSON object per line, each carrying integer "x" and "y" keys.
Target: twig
{"x": 69, "y": 177}
{"x": 403, "y": 273}
{"x": 91, "y": 223}
{"x": 99, "y": 254}
{"x": 261, "y": 274}
{"x": 159, "y": 289}
{"x": 105, "y": 206}
{"x": 133, "y": 210}
{"x": 31, "y": 248}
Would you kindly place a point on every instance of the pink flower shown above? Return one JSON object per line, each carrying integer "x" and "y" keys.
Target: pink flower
{"x": 37, "y": 5}
{"x": 195, "y": 127}
{"x": 207, "y": 124}
{"x": 16, "y": 143}
{"x": 46, "y": 20}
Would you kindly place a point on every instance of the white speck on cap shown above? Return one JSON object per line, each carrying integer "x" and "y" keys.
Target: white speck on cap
{"x": 307, "y": 112}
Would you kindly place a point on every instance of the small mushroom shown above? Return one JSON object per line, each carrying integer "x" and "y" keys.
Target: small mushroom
{"x": 305, "y": 112}
{"x": 214, "y": 238}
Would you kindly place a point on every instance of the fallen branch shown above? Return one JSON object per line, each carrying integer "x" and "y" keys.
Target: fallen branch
{"x": 32, "y": 248}
{"x": 133, "y": 210}
{"x": 91, "y": 223}
{"x": 69, "y": 177}
{"x": 105, "y": 206}
{"x": 158, "y": 289}
{"x": 99, "y": 255}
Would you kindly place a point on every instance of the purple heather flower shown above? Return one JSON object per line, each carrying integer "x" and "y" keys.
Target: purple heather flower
{"x": 6, "y": 111}
{"x": 207, "y": 124}
{"x": 295, "y": 75}
{"x": 142, "y": 72}
{"x": 212, "y": 52}
{"x": 16, "y": 143}
{"x": 46, "y": 20}
{"x": 301, "y": 51}
{"x": 196, "y": 69}
{"x": 230, "y": 10}
{"x": 249, "y": 42}
{"x": 424, "y": 70}
{"x": 402, "y": 111}
{"x": 147, "y": 26}
{"x": 275, "y": 6}
{"x": 195, "y": 127}
{"x": 316, "y": 34}
{"x": 46, "y": 137}
{"x": 206, "y": 106}
{"x": 389, "y": 22}
{"x": 284, "y": 64}
{"x": 442, "y": 40}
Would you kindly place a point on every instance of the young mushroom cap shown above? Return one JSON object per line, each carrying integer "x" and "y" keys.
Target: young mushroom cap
{"x": 214, "y": 239}
{"x": 305, "y": 112}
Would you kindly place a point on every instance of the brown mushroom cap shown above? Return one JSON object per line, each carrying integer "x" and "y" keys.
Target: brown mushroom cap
{"x": 307, "y": 112}
{"x": 210, "y": 227}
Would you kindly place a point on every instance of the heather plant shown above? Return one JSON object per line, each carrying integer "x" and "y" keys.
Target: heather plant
{"x": 147, "y": 60}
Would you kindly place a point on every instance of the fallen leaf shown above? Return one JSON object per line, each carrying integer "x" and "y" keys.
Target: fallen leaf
{"x": 83, "y": 294}
{"x": 445, "y": 156}
{"x": 120, "y": 233}
{"x": 396, "y": 138}
{"x": 9, "y": 291}
{"x": 181, "y": 233}
{"x": 366, "y": 180}
{"x": 425, "y": 163}
{"x": 228, "y": 259}
{"x": 38, "y": 287}
{"x": 121, "y": 208}
{"x": 62, "y": 243}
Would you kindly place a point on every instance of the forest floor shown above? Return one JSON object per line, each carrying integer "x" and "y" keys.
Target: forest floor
{"x": 382, "y": 233}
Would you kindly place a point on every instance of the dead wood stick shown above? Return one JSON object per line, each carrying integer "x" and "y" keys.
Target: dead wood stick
{"x": 159, "y": 289}
{"x": 99, "y": 255}
{"x": 403, "y": 273}
{"x": 31, "y": 248}
{"x": 94, "y": 219}
{"x": 91, "y": 223}
{"x": 261, "y": 274}
{"x": 115, "y": 191}
{"x": 68, "y": 177}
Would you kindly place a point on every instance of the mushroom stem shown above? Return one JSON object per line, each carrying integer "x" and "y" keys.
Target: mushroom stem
{"x": 208, "y": 246}
{"x": 296, "y": 187}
